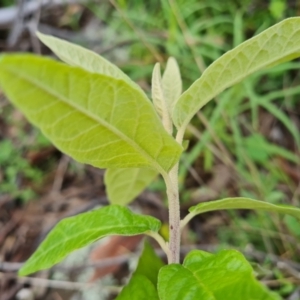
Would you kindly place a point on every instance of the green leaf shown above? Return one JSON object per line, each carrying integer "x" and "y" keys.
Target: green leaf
{"x": 277, "y": 44}
{"x": 175, "y": 282}
{"x": 157, "y": 92}
{"x": 78, "y": 56}
{"x": 142, "y": 284}
{"x": 226, "y": 275}
{"x": 123, "y": 185}
{"x": 139, "y": 288}
{"x": 94, "y": 118}
{"x": 171, "y": 82}
{"x": 81, "y": 230}
{"x": 243, "y": 203}
{"x": 159, "y": 100}
{"x": 149, "y": 264}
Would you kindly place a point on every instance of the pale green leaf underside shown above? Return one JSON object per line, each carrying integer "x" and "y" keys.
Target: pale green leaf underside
{"x": 157, "y": 91}
{"x": 123, "y": 185}
{"x": 76, "y": 55}
{"x": 81, "y": 230}
{"x": 94, "y": 118}
{"x": 243, "y": 203}
{"x": 226, "y": 275}
{"x": 277, "y": 44}
{"x": 171, "y": 82}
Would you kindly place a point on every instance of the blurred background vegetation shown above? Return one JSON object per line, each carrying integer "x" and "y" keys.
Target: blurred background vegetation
{"x": 243, "y": 143}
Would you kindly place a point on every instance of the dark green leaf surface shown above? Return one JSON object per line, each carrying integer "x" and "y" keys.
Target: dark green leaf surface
{"x": 149, "y": 264}
{"x": 175, "y": 282}
{"x": 226, "y": 275}
{"x": 81, "y": 230}
{"x": 143, "y": 282}
{"x": 94, "y": 118}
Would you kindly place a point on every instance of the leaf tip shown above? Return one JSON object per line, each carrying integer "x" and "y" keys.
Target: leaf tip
{"x": 23, "y": 271}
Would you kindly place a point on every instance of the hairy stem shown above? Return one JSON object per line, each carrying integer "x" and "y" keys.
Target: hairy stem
{"x": 171, "y": 180}
{"x": 174, "y": 214}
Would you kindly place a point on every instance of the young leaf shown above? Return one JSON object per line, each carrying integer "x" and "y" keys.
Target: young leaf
{"x": 277, "y": 44}
{"x": 78, "y": 56}
{"x": 226, "y": 275}
{"x": 239, "y": 203}
{"x": 123, "y": 185}
{"x": 159, "y": 100}
{"x": 157, "y": 91}
{"x": 81, "y": 230}
{"x": 171, "y": 82}
{"x": 94, "y": 118}
{"x": 142, "y": 284}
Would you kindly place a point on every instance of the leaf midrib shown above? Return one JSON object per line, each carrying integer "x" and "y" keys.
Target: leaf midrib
{"x": 109, "y": 127}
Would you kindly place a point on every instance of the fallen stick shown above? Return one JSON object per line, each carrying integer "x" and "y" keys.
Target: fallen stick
{"x": 8, "y": 15}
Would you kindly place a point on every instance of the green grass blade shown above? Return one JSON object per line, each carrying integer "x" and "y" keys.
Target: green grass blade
{"x": 94, "y": 118}
{"x": 123, "y": 185}
{"x": 283, "y": 118}
{"x": 81, "y": 230}
{"x": 277, "y": 44}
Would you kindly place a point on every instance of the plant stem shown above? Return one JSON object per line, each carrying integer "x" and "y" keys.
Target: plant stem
{"x": 184, "y": 221}
{"x": 174, "y": 214}
{"x": 160, "y": 241}
{"x": 171, "y": 180}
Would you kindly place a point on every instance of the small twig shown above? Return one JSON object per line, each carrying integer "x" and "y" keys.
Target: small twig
{"x": 6, "y": 229}
{"x": 10, "y": 266}
{"x": 17, "y": 27}
{"x": 66, "y": 285}
{"x": 11, "y": 292}
{"x": 103, "y": 263}
{"x": 290, "y": 270}
{"x": 9, "y": 14}
{"x": 107, "y": 262}
{"x": 60, "y": 174}
{"x": 32, "y": 28}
